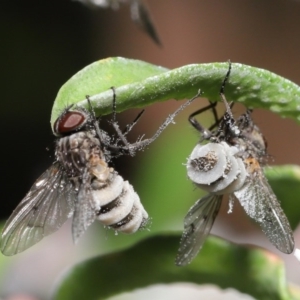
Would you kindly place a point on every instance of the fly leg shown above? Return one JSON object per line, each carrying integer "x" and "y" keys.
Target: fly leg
{"x": 144, "y": 143}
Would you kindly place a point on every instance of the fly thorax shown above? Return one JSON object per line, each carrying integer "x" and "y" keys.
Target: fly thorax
{"x": 252, "y": 165}
{"x": 242, "y": 147}
{"x": 253, "y": 144}
{"x": 74, "y": 151}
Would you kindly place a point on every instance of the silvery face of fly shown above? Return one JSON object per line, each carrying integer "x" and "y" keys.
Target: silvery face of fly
{"x": 231, "y": 163}
{"x": 80, "y": 183}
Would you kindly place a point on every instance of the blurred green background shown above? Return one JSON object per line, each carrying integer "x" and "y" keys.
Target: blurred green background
{"x": 43, "y": 43}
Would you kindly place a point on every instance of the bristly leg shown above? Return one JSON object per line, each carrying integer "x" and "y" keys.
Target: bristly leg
{"x": 140, "y": 145}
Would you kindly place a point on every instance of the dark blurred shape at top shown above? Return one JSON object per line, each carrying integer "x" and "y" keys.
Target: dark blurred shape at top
{"x": 139, "y": 14}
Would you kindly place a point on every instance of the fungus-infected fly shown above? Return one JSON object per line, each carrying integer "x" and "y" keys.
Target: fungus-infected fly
{"x": 80, "y": 183}
{"x": 231, "y": 163}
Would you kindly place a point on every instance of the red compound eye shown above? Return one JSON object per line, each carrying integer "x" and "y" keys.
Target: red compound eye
{"x": 69, "y": 122}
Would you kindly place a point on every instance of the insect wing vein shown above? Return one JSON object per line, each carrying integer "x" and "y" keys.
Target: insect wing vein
{"x": 261, "y": 204}
{"x": 44, "y": 209}
{"x": 197, "y": 225}
{"x": 84, "y": 214}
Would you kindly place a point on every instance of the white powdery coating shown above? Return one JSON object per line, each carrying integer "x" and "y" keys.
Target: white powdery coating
{"x": 228, "y": 173}
{"x": 124, "y": 207}
{"x": 207, "y": 176}
{"x": 105, "y": 195}
{"x": 238, "y": 182}
{"x": 135, "y": 223}
{"x": 227, "y": 179}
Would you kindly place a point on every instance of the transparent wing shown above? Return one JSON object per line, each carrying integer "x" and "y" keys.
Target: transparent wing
{"x": 44, "y": 209}
{"x": 197, "y": 225}
{"x": 141, "y": 16}
{"x": 261, "y": 204}
{"x": 85, "y": 213}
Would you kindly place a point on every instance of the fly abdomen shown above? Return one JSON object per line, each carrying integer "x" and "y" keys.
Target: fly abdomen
{"x": 118, "y": 205}
{"x": 215, "y": 168}
{"x": 118, "y": 209}
{"x": 105, "y": 192}
{"x": 206, "y": 164}
{"x": 136, "y": 218}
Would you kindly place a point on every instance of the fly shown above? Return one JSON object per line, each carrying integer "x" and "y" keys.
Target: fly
{"x": 81, "y": 183}
{"x": 139, "y": 14}
{"x": 231, "y": 162}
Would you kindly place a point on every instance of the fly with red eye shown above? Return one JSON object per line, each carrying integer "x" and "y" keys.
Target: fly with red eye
{"x": 81, "y": 183}
{"x": 70, "y": 121}
{"x": 230, "y": 160}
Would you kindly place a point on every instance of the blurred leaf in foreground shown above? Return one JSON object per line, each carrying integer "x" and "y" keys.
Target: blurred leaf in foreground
{"x": 252, "y": 271}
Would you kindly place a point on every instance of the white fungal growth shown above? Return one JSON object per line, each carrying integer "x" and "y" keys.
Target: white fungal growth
{"x": 215, "y": 168}
{"x": 119, "y": 206}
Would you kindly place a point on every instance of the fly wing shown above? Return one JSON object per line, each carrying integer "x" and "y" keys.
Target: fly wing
{"x": 261, "y": 204}
{"x": 141, "y": 16}
{"x": 85, "y": 213}
{"x": 44, "y": 209}
{"x": 197, "y": 225}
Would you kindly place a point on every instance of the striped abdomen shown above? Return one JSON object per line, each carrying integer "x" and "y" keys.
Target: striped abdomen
{"x": 118, "y": 205}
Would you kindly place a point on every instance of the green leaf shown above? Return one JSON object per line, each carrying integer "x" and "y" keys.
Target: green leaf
{"x": 251, "y": 271}
{"x": 139, "y": 84}
{"x": 285, "y": 182}
{"x": 99, "y": 77}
